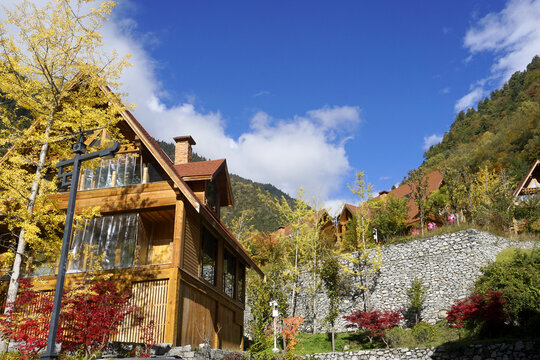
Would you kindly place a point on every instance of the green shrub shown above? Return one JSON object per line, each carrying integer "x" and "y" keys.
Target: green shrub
{"x": 423, "y": 332}
{"x": 519, "y": 280}
{"x": 417, "y": 296}
{"x": 398, "y": 337}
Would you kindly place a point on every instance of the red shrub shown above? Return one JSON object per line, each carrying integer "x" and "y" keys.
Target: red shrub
{"x": 90, "y": 315}
{"x": 376, "y": 322}
{"x": 487, "y": 310}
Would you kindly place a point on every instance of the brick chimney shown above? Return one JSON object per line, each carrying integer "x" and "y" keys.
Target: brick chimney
{"x": 182, "y": 150}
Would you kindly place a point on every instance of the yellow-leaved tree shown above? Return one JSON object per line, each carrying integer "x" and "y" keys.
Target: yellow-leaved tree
{"x": 305, "y": 247}
{"x": 52, "y": 67}
{"x": 366, "y": 259}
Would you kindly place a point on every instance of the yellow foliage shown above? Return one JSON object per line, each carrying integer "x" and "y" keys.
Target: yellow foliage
{"x": 52, "y": 70}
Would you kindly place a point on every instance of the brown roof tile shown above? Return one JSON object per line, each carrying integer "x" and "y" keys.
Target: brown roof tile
{"x": 200, "y": 168}
{"x": 434, "y": 182}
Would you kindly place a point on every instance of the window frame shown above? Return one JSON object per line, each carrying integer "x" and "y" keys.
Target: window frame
{"x": 232, "y": 255}
{"x": 210, "y": 234}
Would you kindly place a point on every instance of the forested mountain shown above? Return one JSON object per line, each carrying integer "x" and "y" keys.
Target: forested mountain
{"x": 251, "y": 199}
{"x": 503, "y": 132}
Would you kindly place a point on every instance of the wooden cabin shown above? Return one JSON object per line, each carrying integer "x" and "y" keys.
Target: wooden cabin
{"x": 325, "y": 227}
{"x": 529, "y": 186}
{"x": 434, "y": 181}
{"x": 160, "y": 235}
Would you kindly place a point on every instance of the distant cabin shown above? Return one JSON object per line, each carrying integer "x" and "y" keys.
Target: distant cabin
{"x": 434, "y": 182}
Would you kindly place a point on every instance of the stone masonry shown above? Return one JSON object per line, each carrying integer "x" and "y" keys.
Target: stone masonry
{"x": 448, "y": 265}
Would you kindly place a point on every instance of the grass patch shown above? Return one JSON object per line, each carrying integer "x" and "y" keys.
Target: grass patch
{"x": 507, "y": 255}
{"x": 442, "y": 334}
{"x": 447, "y": 229}
{"x": 322, "y": 343}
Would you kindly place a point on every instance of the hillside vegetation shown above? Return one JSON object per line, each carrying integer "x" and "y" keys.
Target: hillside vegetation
{"x": 503, "y": 132}
{"x": 250, "y": 198}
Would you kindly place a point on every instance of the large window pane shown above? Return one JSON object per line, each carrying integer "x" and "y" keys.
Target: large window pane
{"x": 105, "y": 243}
{"x": 241, "y": 282}
{"x": 208, "y": 257}
{"x": 123, "y": 170}
{"x": 229, "y": 273}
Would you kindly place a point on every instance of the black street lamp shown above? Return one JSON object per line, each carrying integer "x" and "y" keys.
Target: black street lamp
{"x": 79, "y": 148}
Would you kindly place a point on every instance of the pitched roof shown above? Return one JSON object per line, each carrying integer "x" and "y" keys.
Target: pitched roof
{"x": 322, "y": 216}
{"x": 179, "y": 183}
{"x": 527, "y": 177}
{"x": 214, "y": 170}
{"x": 434, "y": 183}
{"x": 200, "y": 169}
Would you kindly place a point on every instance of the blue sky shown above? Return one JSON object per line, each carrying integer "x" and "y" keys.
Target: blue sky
{"x": 307, "y": 93}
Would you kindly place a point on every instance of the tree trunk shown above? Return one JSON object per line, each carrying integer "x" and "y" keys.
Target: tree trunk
{"x": 422, "y": 220}
{"x": 13, "y": 287}
{"x": 293, "y": 302}
{"x": 333, "y": 337}
{"x": 365, "y": 293}
{"x": 363, "y": 236}
{"x": 314, "y": 284}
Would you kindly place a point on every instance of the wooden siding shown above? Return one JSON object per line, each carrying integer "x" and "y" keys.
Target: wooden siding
{"x": 198, "y": 317}
{"x": 231, "y": 333}
{"x": 192, "y": 242}
{"x": 122, "y": 198}
{"x": 150, "y": 298}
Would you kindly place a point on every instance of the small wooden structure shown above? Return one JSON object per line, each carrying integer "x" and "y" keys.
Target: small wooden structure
{"x": 160, "y": 235}
{"x": 434, "y": 181}
{"x": 320, "y": 221}
{"x": 527, "y": 188}
{"x": 530, "y": 184}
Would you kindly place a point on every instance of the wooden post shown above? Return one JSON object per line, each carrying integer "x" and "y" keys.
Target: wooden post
{"x": 173, "y": 300}
{"x": 178, "y": 234}
{"x": 173, "y": 320}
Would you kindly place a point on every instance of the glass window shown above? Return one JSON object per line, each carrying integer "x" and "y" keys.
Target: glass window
{"x": 229, "y": 273}
{"x": 123, "y": 170}
{"x": 241, "y": 281}
{"x": 107, "y": 242}
{"x": 208, "y": 257}
{"x": 211, "y": 195}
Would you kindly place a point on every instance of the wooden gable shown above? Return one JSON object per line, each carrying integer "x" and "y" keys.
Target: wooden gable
{"x": 530, "y": 184}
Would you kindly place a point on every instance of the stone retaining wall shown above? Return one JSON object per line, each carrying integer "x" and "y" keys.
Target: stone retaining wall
{"x": 204, "y": 353}
{"x": 504, "y": 351}
{"x": 448, "y": 264}
{"x": 519, "y": 350}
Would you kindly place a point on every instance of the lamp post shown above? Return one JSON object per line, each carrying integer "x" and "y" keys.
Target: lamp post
{"x": 275, "y": 314}
{"x": 79, "y": 148}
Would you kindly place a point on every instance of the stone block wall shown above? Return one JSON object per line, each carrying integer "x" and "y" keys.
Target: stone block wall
{"x": 518, "y": 350}
{"x": 448, "y": 264}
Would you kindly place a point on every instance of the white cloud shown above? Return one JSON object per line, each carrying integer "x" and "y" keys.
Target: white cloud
{"x": 332, "y": 117}
{"x": 261, "y": 93}
{"x": 470, "y": 99}
{"x": 511, "y": 35}
{"x": 431, "y": 140}
{"x": 334, "y": 206}
{"x": 303, "y": 150}
{"x": 445, "y": 90}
